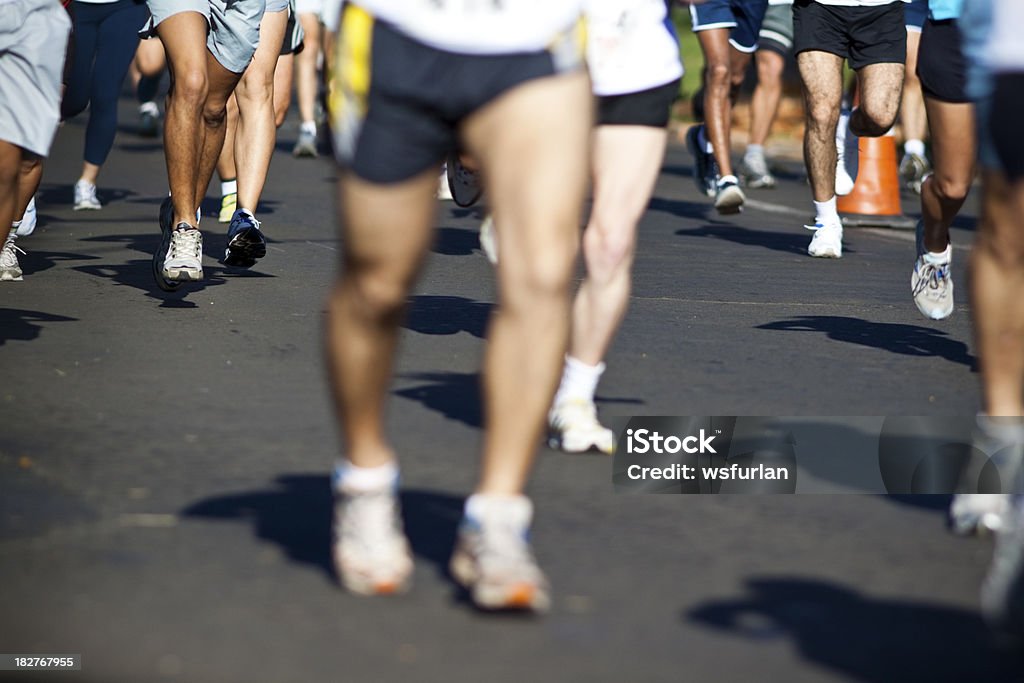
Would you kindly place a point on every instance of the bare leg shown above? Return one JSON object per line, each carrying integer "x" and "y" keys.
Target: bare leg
{"x": 954, "y": 151}
{"x": 383, "y": 252}
{"x": 28, "y": 182}
{"x": 283, "y": 87}
{"x": 226, "y": 161}
{"x": 538, "y": 243}
{"x": 222, "y": 83}
{"x": 254, "y": 141}
{"x": 913, "y": 118}
{"x": 879, "y": 86}
{"x": 764, "y": 103}
{"x": 10, "y": 173}
{"x": 718, "y": 85}
{"x": 822, "y": 76}
{"x": 997, "y": 293}
{"x": 306, "y": 81}
{"x": 626, "y": 162}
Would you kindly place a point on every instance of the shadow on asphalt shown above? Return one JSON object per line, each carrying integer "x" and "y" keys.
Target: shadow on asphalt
{"x": 787, "y": 242}
{"x": 906, "y": 340}
{"x": 50, "y": 194}
{"x": 456, "y": 395}
{"x": 295, "y": 515}
{"x": 456, "y": 241}
{"x": 447, "y": 315}
{"x": 867, "y": 638}
{"x": 20, "y": 325}
{"x": 33, "y": 262}
{"x": 683, "y": 209}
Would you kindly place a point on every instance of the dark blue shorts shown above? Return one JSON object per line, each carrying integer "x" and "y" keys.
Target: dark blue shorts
{"x": 742, "y": 17}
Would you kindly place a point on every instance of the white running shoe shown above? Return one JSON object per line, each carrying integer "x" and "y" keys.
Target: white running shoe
{"x": 371, "y": 553}
{"x": 492, "y": 558}
{"x": 1002, "y": 592}
{"x": 931, "y": 284}
{"x": 847, "y": 157}
{"x": 85, "y": 197}
{"x": 827, "y": 241}
{"x": 305, "y": 146}
{"x": 573, "y": 428}
{"x": 488, "y": 240}
{"x": 444, "y": 193}
{"x": 729, "y": 197}
{"x": 977, "y": 513}
{"x": 10, "y": 269}
{"x": 28, "y": 221}
{"x": 755, "y": 173}
{"x": 183, "y": 260}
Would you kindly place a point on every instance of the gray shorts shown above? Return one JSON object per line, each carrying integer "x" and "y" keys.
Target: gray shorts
{"x": 33, "y": 40}
{"x": 234, "y": 26}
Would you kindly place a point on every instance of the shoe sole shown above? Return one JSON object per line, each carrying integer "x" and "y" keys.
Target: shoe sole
{"x": 245, "y": 248}
{"x": 7, "y": 277}
{"x": 730, "y": 203}
{"x": 361, "y": 584}
{"x": 86, "y": 207}
{"x": 517, "y": 596}
{"x": 305, "y": 153}
{"x": 577, "y": 446}
{"x": 831, "y": 253}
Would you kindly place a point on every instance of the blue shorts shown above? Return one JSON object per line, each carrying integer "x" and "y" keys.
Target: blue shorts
{"x": 914, "y": 14}
{"x": 742, "y": 17}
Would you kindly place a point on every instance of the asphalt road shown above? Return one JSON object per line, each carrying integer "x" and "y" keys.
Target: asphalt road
{"x": 164, "y": 496}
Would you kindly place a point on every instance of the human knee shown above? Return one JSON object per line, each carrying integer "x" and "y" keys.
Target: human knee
{"x": 876, "y": 117}
{"x": 191, "y": 87}
{"x": 378, "y": 291}
{"x": 950, "y": 188}
{"x": 214, "y": 115}
{"x": 822, "y": 114}
{"x": 719, "y": 74}
{"x": 608, "y": 245}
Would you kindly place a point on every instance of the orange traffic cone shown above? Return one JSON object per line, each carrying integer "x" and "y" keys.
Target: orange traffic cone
{"x": 875, "y": 199}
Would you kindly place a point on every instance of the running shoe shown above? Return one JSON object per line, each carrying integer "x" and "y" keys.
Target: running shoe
{"x": 10, "y": 269}
{"x": 28, "y": 222}
{"x": 463, "y": 183}
{"x": 847, "y": 157}
{"x": 827, "y": 241}
{"x": 977, "y": 513}
{"x": 149, "y": 120}
{"x": 492, "y": 558}
{"x": 444, "y": 193}
{"x": 931, "y": 283}
{"x": 729, "y": 197}
{"x": 914, "y": 169}
{"x": 488, "y": 240}
{"x": 1002, "y": 592}
{"x": 371, "y": 553}
{"x": 705, "y": 168}
{"x": 246, "y": 243}
{"x": 85, "y": 197}
{"x": 573, "y": 428}
{"x": 998, "y": 442}
{"x": 228, "y": 205}
{"x": 305, "y": 146}
{"x": 755, "y": 173}
{"x": 182, "y": 250}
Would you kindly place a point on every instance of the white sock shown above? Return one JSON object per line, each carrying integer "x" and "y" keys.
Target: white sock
{"x": 825, "y": 212}
{"x": 702, "y": 139}
{"x": 843, "y": 127}
{"x": 308, "y": 127}
{"x": 14, "y": 226}
{"x": 355, "y": 478}
{"x": 755, "y": 151}
{"x": 512, "y": 508}
{"x": 938, "y": 258}
{"x": 914, "y": 146}
{"x": 579, "y": 380}
{"x": 228, "y": 187}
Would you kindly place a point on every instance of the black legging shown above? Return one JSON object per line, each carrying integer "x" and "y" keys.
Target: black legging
{"x": 106, "y": 37}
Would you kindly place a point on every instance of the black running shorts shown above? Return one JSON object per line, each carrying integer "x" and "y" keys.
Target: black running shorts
{"x": 1004, "y": 123}
{"x": 645, "y": 108}
{"x": 396, "y": 103}
{"x": 941, "y": 66}
{"x": 863, "y": 35}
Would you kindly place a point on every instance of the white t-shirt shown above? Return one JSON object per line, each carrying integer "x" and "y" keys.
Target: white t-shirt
{"x": 859, "y": 3}
{"x": 479, "y": 26}
{"x": 631, "y": 46}
{"x": 1005, "y": 48}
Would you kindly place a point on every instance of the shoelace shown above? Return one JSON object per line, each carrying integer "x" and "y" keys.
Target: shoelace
{"x": 185, "y": 242}
{"x": 931, "y": 277}
{"x": 8, "y": 254}
{"x": 504, "y": 542}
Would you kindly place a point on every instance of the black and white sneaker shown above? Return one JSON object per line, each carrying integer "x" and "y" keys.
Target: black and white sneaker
{"x": 729, "y": 197}
{"x": 246, "y": 243}
{"x": 463, "y": 183}
{"x": 705, "y": 168}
